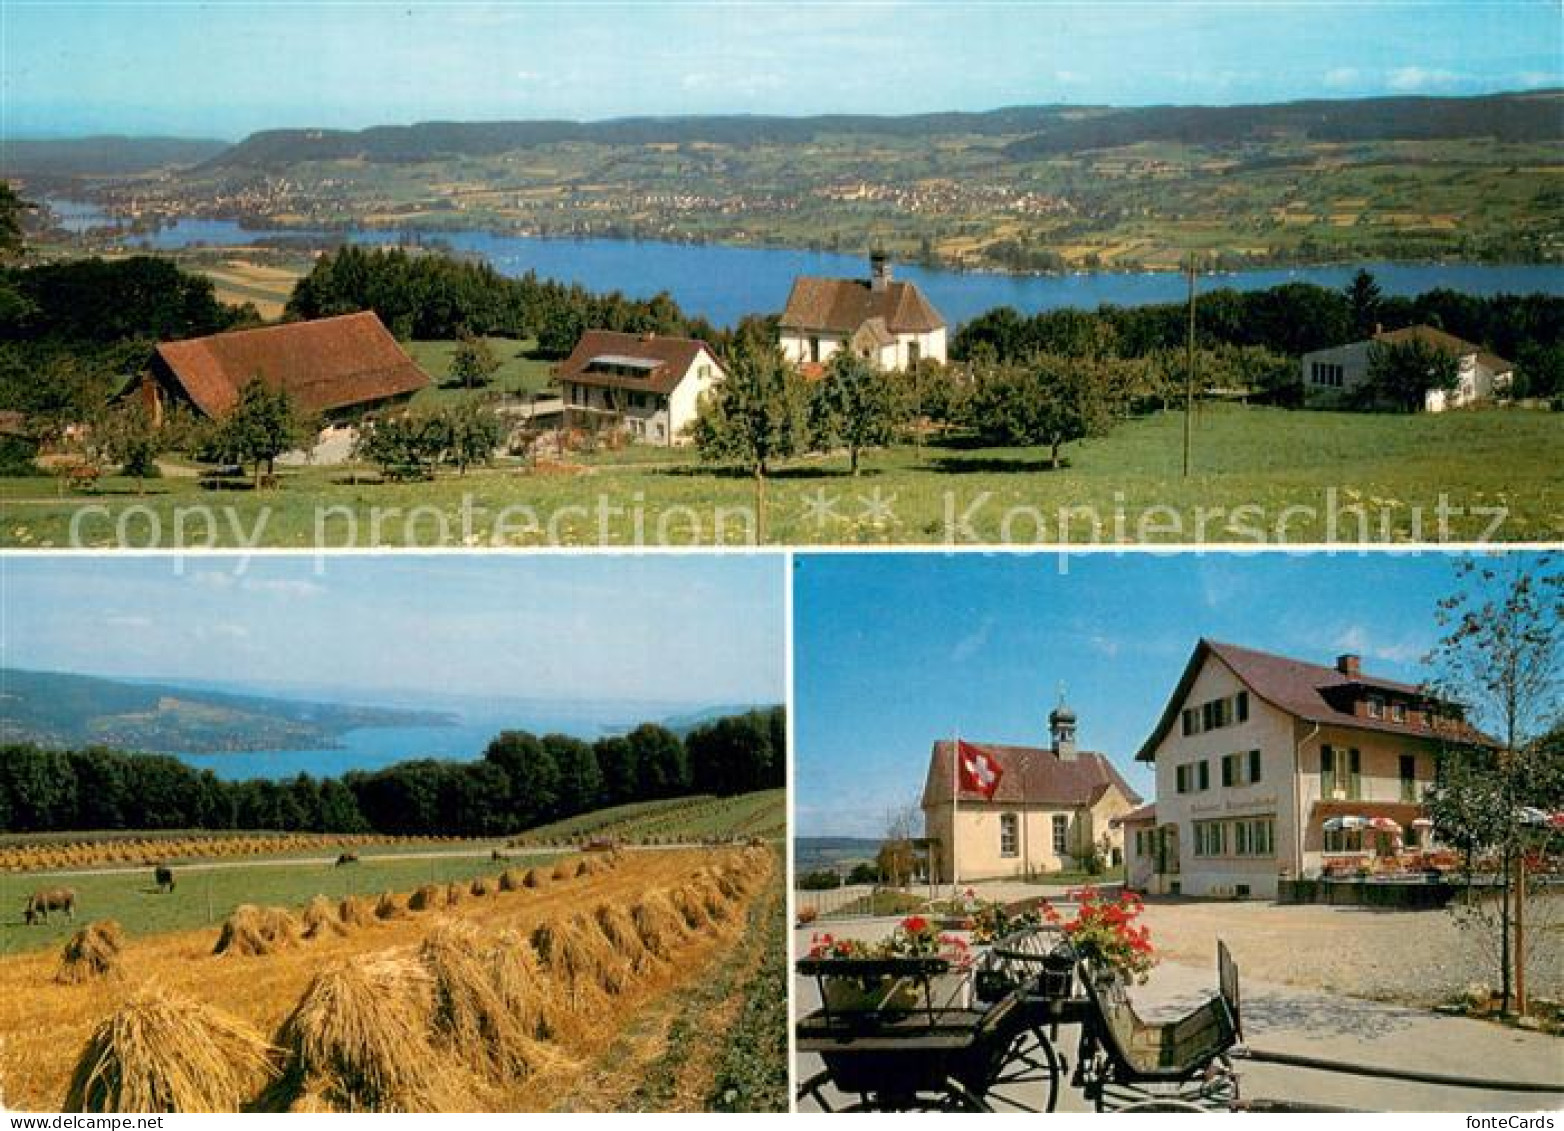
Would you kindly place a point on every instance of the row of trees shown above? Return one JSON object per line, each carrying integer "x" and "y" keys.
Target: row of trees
{"x": 434, "y": 296}
{"x": 1285, "y": 322}
{"x": 521, "y": 781}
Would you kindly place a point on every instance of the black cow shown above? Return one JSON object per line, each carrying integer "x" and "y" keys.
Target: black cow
{"x": 164, "y": 878}
{"x": 346, "y": 858}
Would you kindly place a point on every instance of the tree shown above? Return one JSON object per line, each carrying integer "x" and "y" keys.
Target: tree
{"x": 753, "y": 416}
{"x": 533, "y": 774}
{"x": 897, "y": 858}
{"x": 1364, "y": 297}
{"x": 11, "y": 208}
{"x": 404, "y": 445}
{"x": 261, "y": 427}
{"x": 853, "y": 405}
{"x": 125, "y": 435}
{"x": 1402, "y": 374}
{"x": 661, "y": 761}
{"x": 1501, "y": 655}
{"x": 621, "y": 773}
{"x": 1050, "y": 400}
{"x": 472, "y": 433}
{"x": 473, "y": 364}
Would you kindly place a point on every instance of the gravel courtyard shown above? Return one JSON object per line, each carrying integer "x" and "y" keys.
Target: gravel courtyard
{"x": 1411, "y": 957}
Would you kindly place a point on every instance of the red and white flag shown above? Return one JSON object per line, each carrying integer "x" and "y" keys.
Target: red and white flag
{"x": 976, "y": 770}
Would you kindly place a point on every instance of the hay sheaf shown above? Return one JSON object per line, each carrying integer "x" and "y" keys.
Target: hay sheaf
{"x": 251, "y": 931}
{"x": 355, "y": 911}
{"x": 426, "y": 898}
{"x": 473, "y": 1018}
{"x": 390, "y": 906}
{"x": 719, "y": 908}
{"x": 618, "y": 927}
{"x": 93, "y": 952}
{"x": 687, "y": 902}
{"x": 530, "y": 995}
{"x": 322, "y": 919}
{"x": 159, "y": 1052}
{"x": 536, "y": 878}
{"x": 481, "y": 886}
{"x": 565, "y": 870}
{"x": 512, "y": 879}
{"x": 580, "y": 960}
{"x": 358, "y": 1038}
{"x": 454, "y": 894}
{"x": 658, "y": 923}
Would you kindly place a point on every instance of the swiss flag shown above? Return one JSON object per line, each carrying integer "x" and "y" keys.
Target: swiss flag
{"x": 976, "y": 770}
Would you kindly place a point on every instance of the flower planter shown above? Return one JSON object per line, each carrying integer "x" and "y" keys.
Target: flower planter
{"x": 860, "y": 995}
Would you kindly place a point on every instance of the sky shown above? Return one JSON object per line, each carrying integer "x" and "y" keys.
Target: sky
{"x": 893, "y": 652}
{"x": 225, "y": 69}
{"x": 654, "y": 628}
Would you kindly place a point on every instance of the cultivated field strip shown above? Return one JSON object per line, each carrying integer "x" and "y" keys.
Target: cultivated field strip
{"x": 51, "y": 854}
{"x": 485, "y": 996}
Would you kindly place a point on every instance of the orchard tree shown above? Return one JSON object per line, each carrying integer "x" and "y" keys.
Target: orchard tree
{"x": 261, "y": 427}
{"x": 473, "y": 364}
{"x": 753, "y": 416}
{"x": 1501, "y": 655}
{"x": 404, "y": 445}
{"x": 472, "y": 434}
{"x": 1402, "y": 374}
{"x": 1049, "y": 400}
{"x": 852, "y": 406}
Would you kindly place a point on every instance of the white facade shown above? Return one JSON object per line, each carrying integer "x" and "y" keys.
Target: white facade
{"x": 1332, "y": 376}
{"x": 648, "y": 416}
{"x": 803, "y": 347}
{"x": 1281, "y": 808}
{"x": 1004, "y": 840}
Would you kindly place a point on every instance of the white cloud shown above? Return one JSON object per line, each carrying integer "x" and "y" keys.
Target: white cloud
{"x": 1412, "y": 79}
{"x": 973, "y": 642}
{"x": 1342, "y": 78}
{"x": 1358, "y": 640}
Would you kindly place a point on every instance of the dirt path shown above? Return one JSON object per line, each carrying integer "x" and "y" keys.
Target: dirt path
{"x": 43, "y": 1025}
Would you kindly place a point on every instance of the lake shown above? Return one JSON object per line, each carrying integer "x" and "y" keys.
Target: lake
{"x": 723, "y": 284}
{"x": 372, "y": 748}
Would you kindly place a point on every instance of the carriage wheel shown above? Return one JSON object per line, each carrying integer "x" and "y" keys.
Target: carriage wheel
{"x": 1030, "y": 1063}
{"x": 955, "y": 1097}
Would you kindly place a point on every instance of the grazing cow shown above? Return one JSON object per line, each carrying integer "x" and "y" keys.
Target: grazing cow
{"x": 45, "y": 900}
{"x": 164, "y": 877}
{"x": 346, "y": 858}
{"x": 499, "y": 857}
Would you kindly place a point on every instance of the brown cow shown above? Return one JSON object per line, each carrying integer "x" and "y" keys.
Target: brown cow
{"x": 347, "y": 858}
{"x": 45, "y": 900}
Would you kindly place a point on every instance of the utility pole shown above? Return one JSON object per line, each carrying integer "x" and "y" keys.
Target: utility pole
{"x": 1189, "y": 374}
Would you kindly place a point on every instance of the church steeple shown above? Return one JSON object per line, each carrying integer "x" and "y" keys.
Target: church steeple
{"x": 1061, "y": 726}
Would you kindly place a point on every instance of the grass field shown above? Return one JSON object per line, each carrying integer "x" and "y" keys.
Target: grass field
{"x": 762, "y": 814}
{"x": 517, "y": 376}
{"x": 1305, "y": 477}
{"x": 205, "y": 894}
{"x": 679, "y": 1055}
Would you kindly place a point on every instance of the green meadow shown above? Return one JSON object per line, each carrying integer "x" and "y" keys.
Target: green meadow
{"x": 1260, "y": 475}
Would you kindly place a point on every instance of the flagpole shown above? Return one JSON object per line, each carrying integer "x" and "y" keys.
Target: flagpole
{"x": 955, "y": 793}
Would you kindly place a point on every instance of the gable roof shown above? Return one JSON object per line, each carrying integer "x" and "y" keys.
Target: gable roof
{"x": 841, "y": 306}
{"x": 1031, "y": 774}
{"x": 666, "y": 360}
{"x": 1301, "y": 689}
{"x": 1449, "y": 343}
{"x": 326, "y": 364}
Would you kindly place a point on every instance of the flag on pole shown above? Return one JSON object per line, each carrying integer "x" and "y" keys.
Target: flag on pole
{"x": 976, "y": 770}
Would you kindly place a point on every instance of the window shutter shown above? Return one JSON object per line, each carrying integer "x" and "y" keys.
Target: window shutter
{"x": 1254, "y": 766}
{"x": 1243, "y": 706}
{"x": 1327, "y": 772}
{"x": 1354, "y": 780}
{"x": 1205, "y": 774}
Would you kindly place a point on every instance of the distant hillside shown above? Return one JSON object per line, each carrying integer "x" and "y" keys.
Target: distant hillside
{"x": 103, "y": 156}
{"x": 1049, "y": 129}
{"x": 1504, "y": 117}
{"x": 811, "y": 853}
{"x": 681, "y": 725}
{"x": 61, "y": 710}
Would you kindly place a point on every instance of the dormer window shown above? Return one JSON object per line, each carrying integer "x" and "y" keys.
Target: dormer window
{"x": 1398, "y": 713}
{"x": 1376, "y": 706}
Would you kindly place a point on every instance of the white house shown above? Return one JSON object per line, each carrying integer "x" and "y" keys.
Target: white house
{"x": 881, "y": 319}
{"x": 1255, "y": 753}
{"x": 1053, "y": 804}
{"x": 1331, "y": 376}
{"x": 648, "y": 385}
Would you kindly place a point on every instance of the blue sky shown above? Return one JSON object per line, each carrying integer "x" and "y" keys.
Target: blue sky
{"x": 226, "y": 68}
{"x": 895, "y": 651}
{"x": 654, "y": 628}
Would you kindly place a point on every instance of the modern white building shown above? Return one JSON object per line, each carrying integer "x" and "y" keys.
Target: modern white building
{"x": 1332, "y": 376}
{"x": 1260, "y": 760}
{"x": 1053, "y": 805}
{"x": 883, "y": 320}
{"x": 646, "y": 384}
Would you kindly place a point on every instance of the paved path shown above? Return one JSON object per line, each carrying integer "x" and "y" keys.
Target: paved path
{"x": 1352, "y": 1030}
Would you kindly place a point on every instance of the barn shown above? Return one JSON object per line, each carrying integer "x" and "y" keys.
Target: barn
{"x": 336, "y": 369}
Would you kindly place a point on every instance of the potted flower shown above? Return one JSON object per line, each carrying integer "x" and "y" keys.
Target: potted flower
{"x": 1104, "y": 933}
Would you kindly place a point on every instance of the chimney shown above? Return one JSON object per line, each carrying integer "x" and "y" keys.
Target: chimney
{"x": 1350, "y": 664}
{"x": 1061, "y": 728}
{"x": 879, "y": 270}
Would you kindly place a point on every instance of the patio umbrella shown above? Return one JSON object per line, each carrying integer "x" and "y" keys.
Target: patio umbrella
{"x": 1422, "y": 823}
{"x": 1344, "y": 824}
{"x": 1541, "y": 819}
{"x": 1384, "y": 825}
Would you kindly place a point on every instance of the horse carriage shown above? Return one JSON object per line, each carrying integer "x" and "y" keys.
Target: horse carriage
{"x": 922, "y": 1036}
